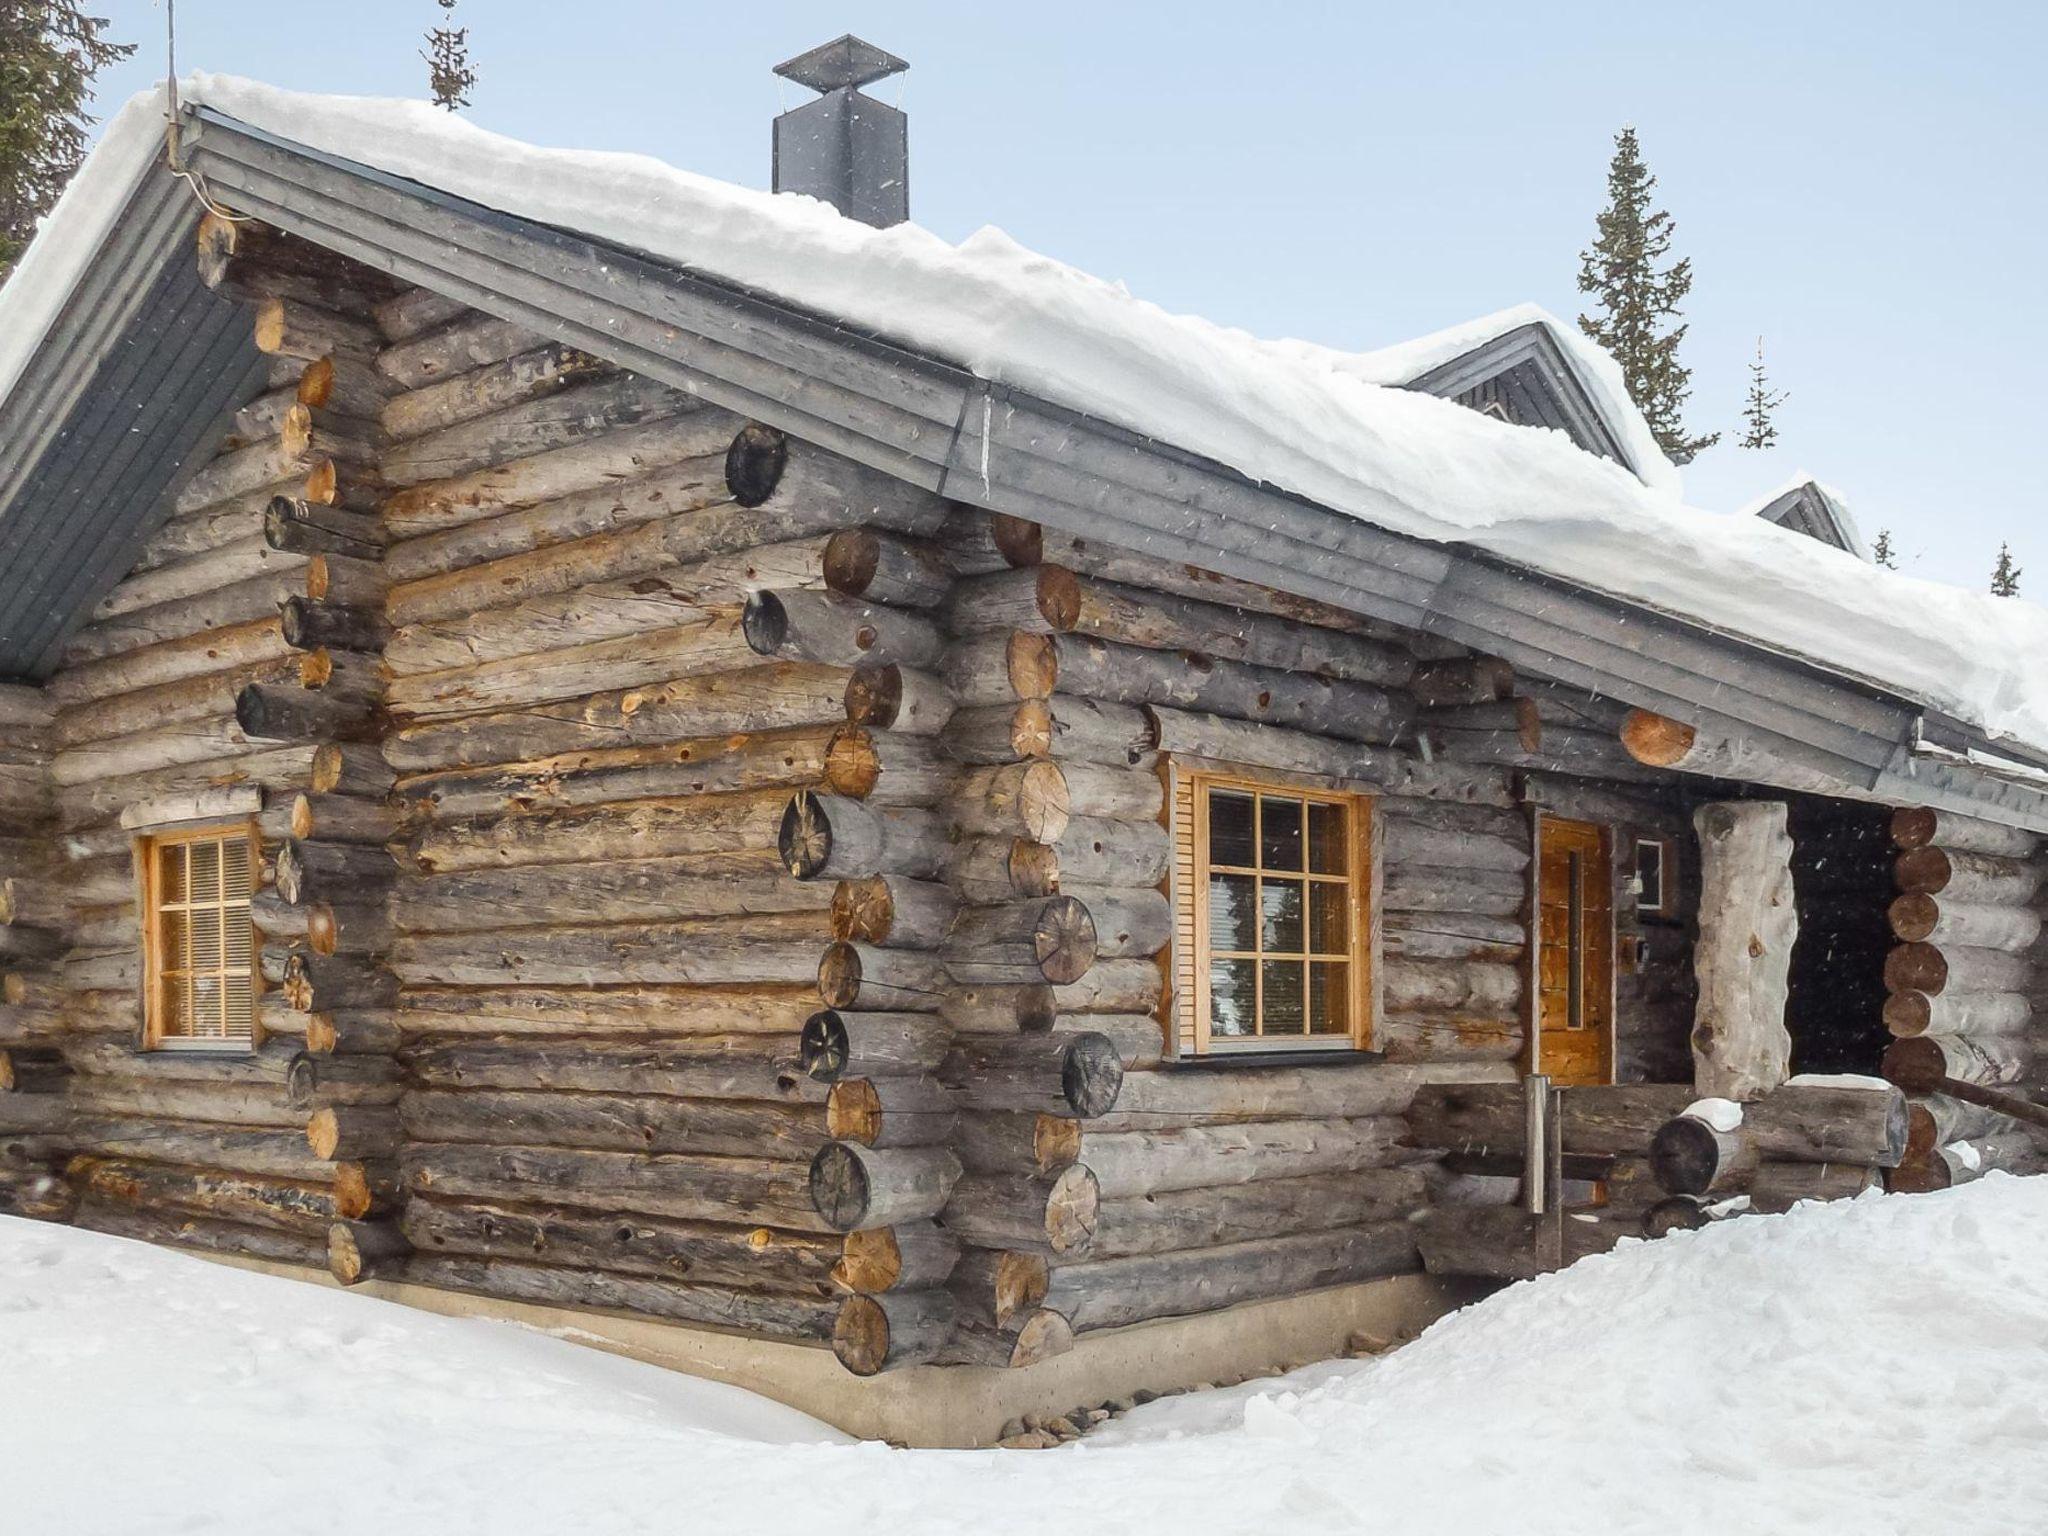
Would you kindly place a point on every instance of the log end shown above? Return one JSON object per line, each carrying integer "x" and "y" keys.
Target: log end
{"x": 870, "y": 1261}
{"x": 839, "y": 975}
{"x": 1914, "y": 916}
{"x": 839, "y": 1187}
{"x": 295, "y": 433}
{"x": 1033, "y": 664}
{"x": 754, "y": 464}
{"x": 1914, "y": 826}
{"x": 853, "y": 767}
{"x": 1686, "y": 1156}
{"x": 1908, "y": 1014}
{"x": 1927, "y": 870}
{"x": 1016, "y": 539}
{"x": 860, "y": 1336}
{"x": 316, "y": 384}
{"x": 1091, "y": 1074}
{"x": 823, "y": 1048}
{"x": 863, "y": 911}
{"x": 270, "y": 326}
{"x": 853, "y": 1111}
{"x": 1064, "y": 939}
{"x": 874, "y": 696}
{"x": 1915, "y": 1065}
{"x": 1656, "y": 740}
{"x": 804, "y": 837}
{"x": 1058, "y": 595}
{"x": 764, "y": 623}
{"x": 852, "y": 556}
{"x": 1680, "y": 1213}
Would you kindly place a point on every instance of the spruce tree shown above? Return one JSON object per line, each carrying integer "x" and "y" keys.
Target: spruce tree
{"x": 2005, "y": 576}
{"x": 1760, "y": 427}
{"x": 1881, "y": 552}
{"x": 1635, "y": 295}
{"x": 49, "y": 53}
{"x": 449, "y": 75}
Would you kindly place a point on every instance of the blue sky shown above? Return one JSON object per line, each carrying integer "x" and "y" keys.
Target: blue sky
{"x": 1856, "y": 183}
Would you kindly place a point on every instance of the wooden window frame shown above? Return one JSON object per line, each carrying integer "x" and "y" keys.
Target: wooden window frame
{"x": 148, "y": 850}
{"x": 1188, "y": 1012}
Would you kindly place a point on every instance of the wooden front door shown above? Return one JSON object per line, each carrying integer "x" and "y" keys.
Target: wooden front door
{"x": 1575, "y": 955}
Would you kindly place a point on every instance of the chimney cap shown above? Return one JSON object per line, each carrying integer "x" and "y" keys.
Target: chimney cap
{"x": 843, "y": 61}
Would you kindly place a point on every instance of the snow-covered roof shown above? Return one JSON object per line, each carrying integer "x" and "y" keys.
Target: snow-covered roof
{"x": 1314, "y": 422}
{"x": 1805, "y": 505}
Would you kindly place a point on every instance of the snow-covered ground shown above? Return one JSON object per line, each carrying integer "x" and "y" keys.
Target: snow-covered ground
{"x": 1869, "y": 1367}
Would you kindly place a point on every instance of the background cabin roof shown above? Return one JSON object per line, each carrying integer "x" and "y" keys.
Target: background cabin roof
{"x": 1804, "y": 505}
{"x": 1002, "y": 379}
{"x": 1544, "y": 372}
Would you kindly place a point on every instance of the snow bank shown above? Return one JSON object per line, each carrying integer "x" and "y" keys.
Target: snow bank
{"x": 1303, "y": 417}
{"x": 1862, "y": 1368}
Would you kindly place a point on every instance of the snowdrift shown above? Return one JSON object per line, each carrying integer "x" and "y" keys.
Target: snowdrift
{"x": 1874, "y": 1366}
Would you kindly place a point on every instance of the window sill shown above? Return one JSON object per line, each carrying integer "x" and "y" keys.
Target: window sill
{"x": 1299, "y": 1056}
{"x": 178, "y": 1047}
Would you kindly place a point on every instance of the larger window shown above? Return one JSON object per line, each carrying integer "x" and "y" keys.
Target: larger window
{"x": 198, "y": 944}
{"x": 1271, "y": 891}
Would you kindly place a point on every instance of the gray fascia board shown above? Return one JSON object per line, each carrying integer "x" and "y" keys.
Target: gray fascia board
{"x": 862, "y": 367}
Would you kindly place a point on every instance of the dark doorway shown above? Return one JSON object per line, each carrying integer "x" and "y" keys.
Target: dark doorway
{"x": 1842, "y": 884}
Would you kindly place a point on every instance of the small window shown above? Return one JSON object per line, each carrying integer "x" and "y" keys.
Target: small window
{"x": 198, "y": 943}
{"x": 1655, "y": 878}
{"x": 1270, "y": 912}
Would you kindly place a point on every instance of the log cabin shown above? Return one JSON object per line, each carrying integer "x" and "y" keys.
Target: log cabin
{"x": 886, "y": 822}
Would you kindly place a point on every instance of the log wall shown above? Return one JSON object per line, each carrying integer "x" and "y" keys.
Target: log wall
{"x": 1967, "y": 978}
{"x": 707, "y": 878}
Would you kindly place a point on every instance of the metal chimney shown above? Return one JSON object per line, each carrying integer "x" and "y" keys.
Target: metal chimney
{"x": 845, "y": 148}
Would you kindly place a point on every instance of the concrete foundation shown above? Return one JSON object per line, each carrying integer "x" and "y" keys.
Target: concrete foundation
{"x": 965, "y": 1406}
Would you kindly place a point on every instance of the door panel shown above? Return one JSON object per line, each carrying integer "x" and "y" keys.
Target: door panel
{"x": 1575, "y": 953}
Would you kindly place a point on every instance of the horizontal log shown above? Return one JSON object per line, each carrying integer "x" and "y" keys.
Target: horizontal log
{"x": 617, "y": 1122}
{"x": 1129, "y": 1163}
{"x": 1917, "y": 917}
{"x": 754, "y": 1311}
{"x": 838, "y": 1045}
{"x": 699, "y": 1252}
{"x": 1113, "y": 1293}
{"x": 1076, "y": 1073}
{"x": 1933, "y": 969}
{"x": 890, "y": 1112}
{"x": 873, "y": 1334}
{"x": 823, "y": 837}
{"x": 694, "y": 1188}
{"x": 1957, "y": 1013}
{"x": 720, "y": 1067}
{"x": 912, "y": 1257}
{"x": 253, "y": 1200}
{"x": 685, "y": 886}
{"x": 1983, "y": 879}
{"x": 1924, "y": 827}
{"x": 1484, "y": 1116}
{"x": 893, "y": 698}
{"x": 565, "y": 1013}
{"x": 1021, "y": 1211}
{"x": 853, "y": 1187}
{"x": 1177, "y": 1220}
{"x": 703, "y": 826}
{"x": 301, "y": 1247}
{"x": 865, "y": 978}
{"x": 780, "y": 696}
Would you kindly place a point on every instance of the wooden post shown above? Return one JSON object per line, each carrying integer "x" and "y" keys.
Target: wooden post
{"x": 1741, "y": 1048}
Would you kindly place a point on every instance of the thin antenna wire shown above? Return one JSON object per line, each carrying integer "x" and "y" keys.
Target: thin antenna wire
{"x": 172, "y": 146}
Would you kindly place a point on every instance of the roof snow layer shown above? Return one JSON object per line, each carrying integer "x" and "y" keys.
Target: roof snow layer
{"x": 1316, "y": 422}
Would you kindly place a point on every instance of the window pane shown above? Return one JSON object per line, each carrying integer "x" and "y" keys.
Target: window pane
{"x": 1279, "y": 833}
{"x": 235, "y": 868}
{"x": 172, "y": 865}
{"x": 1280, "y": 913}
{"x": 1329, "y": 998}
{"x": 205, "y": 937}
{"x": 1230, "y": 828}
{"x": 1232, "y": 925}
{"x": 1328, "y": 853}
{"x": 204, "y": 871}
{"x": 1232, "y": 1002}
{"x": 1650, "y": 875}
{"x": 1329, "y": 908}
{"x": 1283, "y": 1001}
